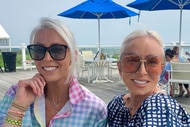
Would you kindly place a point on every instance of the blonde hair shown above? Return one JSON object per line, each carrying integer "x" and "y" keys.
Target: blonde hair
{"x": 141, "y": 33}
{"x": 65, "y": 33}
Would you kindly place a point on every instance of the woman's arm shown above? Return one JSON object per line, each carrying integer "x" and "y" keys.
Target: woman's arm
{"x": 26, "y": 93}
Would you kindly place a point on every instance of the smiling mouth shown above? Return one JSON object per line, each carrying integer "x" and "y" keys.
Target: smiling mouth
{"x": 49, "y": 68}
{"x": 140, "y": 82}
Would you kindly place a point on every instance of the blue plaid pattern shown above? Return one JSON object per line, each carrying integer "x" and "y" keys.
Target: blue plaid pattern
{"x": 158, "y": 110}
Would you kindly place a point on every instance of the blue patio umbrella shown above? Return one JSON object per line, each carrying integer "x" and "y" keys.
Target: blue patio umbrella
{"x": 153, "y": 5}
{"x": 98, "y": 9}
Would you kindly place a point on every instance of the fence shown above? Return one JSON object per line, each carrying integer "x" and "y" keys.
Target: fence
{"x": 109, "y": 49}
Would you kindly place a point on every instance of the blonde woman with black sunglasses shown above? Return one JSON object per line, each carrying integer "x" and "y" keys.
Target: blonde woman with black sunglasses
{"x": 53, "y": 97}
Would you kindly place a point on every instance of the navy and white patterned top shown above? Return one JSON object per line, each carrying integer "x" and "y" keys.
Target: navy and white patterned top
{"x": 157, "y": 110}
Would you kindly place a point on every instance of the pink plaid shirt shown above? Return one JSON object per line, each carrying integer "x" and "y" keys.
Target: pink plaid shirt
{"x": 84, "y": 109}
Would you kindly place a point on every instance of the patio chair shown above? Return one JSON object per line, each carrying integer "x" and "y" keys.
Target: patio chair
{"x": 113, "y": 66}
{"x": 29, "y": 64}
{"x": 83, "y": 68}
{"x": 88, "y": 54}
{"x": 179, "y": 73}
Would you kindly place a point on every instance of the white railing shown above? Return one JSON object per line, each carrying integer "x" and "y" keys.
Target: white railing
{"x": 23, "y": 46}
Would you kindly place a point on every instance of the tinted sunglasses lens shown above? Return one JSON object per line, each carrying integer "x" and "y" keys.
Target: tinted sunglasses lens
{"x": 130, "y": 63}
{"x": 37, "y": 52}
{"x": 154, "y": 64}
{"x": 58, "y": 52}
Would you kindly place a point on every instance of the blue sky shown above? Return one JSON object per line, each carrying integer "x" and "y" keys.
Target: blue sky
{"x": 18, "y": 17}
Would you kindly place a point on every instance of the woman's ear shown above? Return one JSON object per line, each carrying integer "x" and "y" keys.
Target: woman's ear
{"x": 119, "y": 67}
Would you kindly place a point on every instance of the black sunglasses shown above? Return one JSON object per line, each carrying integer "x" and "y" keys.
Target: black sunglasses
{"x": 56, "y": 51}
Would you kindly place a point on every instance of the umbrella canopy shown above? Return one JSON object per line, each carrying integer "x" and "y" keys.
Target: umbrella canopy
{"x": 153, "y": 5}
{"x": 98, "y": 9}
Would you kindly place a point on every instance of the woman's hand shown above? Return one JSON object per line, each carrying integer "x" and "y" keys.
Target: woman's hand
{"x": 28, "y": 90}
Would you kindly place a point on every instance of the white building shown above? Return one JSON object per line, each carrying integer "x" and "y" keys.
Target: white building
{"x": 5, "y": 40}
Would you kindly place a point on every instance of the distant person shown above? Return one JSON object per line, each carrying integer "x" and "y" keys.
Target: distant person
{"x": 188, "y": 54}
{"x": 169, "y": 55}
{"x": 140, "y": 65}
{"x": 53, "y": 97}
{"x": 178, "y": 58}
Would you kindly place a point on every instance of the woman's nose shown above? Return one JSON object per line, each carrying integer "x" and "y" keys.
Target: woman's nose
{"x": 47, "y": 56}
{"x": 142, "y": 68}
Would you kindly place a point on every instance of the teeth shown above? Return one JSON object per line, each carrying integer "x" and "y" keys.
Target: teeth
{"x": 140, "y": 82}
{"x": 49, "y": 68}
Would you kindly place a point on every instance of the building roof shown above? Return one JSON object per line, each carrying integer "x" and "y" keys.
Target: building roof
{"x": 3, "y": 33}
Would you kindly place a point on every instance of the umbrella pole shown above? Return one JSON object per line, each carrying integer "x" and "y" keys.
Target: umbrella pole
{"x": 99, "y": 49}
{"x": 180, "y": 27}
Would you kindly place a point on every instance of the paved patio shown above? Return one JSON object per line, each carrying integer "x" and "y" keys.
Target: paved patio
{"x": 105, "y": 91}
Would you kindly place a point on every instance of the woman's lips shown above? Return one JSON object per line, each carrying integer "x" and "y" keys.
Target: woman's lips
{"x": 143, "y": 82}
{"x": 49, "y": 68}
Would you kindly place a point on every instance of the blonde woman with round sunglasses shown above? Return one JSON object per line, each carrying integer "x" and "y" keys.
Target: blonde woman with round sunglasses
{"x": 53, "y": 97}
{"x": 145, "y": 105}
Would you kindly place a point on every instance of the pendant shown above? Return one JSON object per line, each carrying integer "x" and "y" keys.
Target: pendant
{"x": 56, "y": 104}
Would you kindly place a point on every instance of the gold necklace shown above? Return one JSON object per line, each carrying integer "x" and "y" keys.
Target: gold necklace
{"x": 55, "y": 105}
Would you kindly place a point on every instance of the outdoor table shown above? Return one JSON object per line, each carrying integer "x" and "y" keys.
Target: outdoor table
{"x": 99, "y": 67}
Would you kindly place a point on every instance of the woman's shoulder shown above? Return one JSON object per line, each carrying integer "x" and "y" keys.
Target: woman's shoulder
{"x": 168, "y": 107}
{"x": 93, "y": 103}
{"x": 168, "y": 66}
{"x": 92, "y": 99}
{"x": 116, "y": 101}
{"x": 160, "y": 97}
{"x": 118, "y": 113}
{"x": 162, "y": 101}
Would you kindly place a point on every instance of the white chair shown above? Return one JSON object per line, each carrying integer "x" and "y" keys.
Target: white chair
{"x": 179, "y": 73}
{"x": 82, "y": 68}
{"x": 87, "y": 54}
{"x": 29, "y": 64}
{"x": 113, "y": 66}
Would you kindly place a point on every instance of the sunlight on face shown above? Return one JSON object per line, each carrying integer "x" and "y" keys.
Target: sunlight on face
{"x": 51, "y": 69}
{"x": 144, "y": 79}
